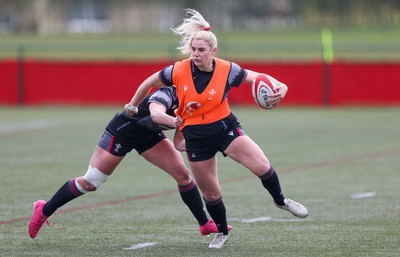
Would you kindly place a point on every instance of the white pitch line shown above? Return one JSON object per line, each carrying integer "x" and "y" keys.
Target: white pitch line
{"x": 363, "y": 195}
{"x": 258, "y": 219}
{"x": 141, "y": 245}
{"x": 261, "y": 219}
{"x": 27, "y": 125}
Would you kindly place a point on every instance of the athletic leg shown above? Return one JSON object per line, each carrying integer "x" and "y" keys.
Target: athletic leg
{"x": 102, "y": 162}
{"x": 205, "y": 173}
{"x": 248, "y": 153}
{"x": 245, "y": 151}
{"x": 101, "y": 166}
{"x": 164, "y": 156}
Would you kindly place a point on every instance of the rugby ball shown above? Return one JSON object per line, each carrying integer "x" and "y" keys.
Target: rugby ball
{"x": 262, "y": 87}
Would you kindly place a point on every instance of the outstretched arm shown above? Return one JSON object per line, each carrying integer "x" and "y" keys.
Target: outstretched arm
{"x": 141, "y": 92}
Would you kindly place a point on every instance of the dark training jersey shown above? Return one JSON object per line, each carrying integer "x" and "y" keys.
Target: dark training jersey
{"x": 165, "y": 96}
{"x": 124, "y": 133}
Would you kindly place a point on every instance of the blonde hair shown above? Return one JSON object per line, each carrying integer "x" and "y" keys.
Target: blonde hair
{"x": 194, "y": 27}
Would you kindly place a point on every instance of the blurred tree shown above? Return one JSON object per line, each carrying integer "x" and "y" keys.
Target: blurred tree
{"x": 126, "y": 16}
{"x": 344, "y": 13}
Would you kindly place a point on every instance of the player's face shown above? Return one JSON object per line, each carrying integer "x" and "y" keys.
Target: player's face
{"x": 202, "y": 54}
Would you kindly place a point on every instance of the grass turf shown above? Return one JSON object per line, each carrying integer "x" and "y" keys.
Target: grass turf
{"x": 323, "y": 157}
{"x": 362, "y": 44}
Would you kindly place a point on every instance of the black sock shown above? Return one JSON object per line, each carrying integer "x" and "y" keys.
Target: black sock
{"x": 217, "y": 211}
{"x": 191, "y": 197}
{"x": 65, "y": 194}
{"x": 271, "y": 182}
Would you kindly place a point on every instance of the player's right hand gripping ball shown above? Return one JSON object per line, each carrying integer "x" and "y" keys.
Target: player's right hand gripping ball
{"x": 263, "y": 86}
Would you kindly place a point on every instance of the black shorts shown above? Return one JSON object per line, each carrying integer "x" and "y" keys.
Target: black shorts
{"x": 204, "y": 141}
{"x": 123, "y": 134}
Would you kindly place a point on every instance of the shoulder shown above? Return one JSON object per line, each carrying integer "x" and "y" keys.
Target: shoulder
{"x": 236, "y": 75}
{"x": 233, "y": 65}
{"x": 236, "y": 70}
{"x": 165, "y": 95}
{"x": 179, "y": 65}
{"x": 165, "y": 75}
{"x": 222, "y": 62}
{"x": 165, "y": 91}
{"x": 236, "y": 67}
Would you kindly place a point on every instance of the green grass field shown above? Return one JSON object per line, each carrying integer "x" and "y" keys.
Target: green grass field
{"x": 367, "y": 44}
{"x": 324, "y": 157}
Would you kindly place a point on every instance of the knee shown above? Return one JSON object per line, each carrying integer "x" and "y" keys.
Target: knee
{"x": 212, "y": 196}
{"x": 93, "y": 179}
{"x": 182, "y": 176}
{"x": 86, "y": 186}
{"x": 261, "y": 168}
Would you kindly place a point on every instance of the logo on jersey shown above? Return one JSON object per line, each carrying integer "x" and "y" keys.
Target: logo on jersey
{"x": 193, "y": 105}
{"x": 211, "y": 92}
{"x": 117, "y": 147}
{"x": 185, "y": 87}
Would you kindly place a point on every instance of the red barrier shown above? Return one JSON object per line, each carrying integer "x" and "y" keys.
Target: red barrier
{"x": 365, "y": 84}
{"x": 8, "y": 82}
{"x": 303, "y": 79}
{"x": 84, "y": 83}
{"x": 50, "y": 82}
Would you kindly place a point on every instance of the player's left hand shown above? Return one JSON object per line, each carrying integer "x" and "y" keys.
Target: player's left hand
{"x": 178, "y": 121}
{"x": 130, "y": 109}
{"x": 281, "y": 90}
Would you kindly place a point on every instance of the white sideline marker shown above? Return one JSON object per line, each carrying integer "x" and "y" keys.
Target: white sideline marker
{"x": 363, "y": 195}
{"x": 28, "y": 125}
{"x": 261, "y": 219}
{"x": 142, "y": 245}
{"x": 258, "y": 219}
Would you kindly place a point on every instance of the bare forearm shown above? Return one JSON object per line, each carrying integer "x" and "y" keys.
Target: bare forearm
{"x": 159, "y": 116}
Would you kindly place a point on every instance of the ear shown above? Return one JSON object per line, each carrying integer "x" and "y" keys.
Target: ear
{"x": 214, "y": 50}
